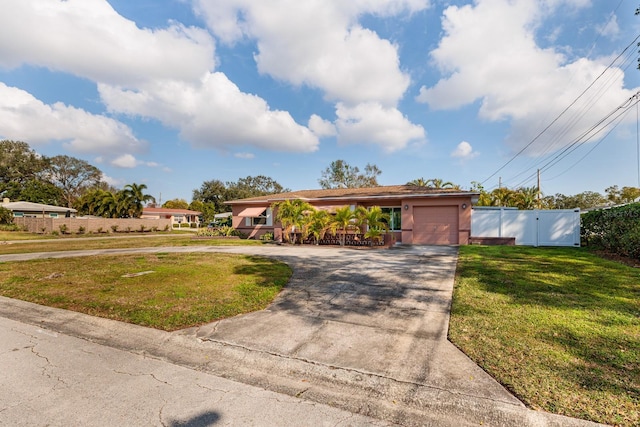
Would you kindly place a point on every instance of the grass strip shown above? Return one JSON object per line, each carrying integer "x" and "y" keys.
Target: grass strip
{"x": 176, "y": 291}
{"x": 559, "y": 327}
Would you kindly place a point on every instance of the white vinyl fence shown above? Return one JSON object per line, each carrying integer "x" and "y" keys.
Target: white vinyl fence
{"x": 559, "y": 227}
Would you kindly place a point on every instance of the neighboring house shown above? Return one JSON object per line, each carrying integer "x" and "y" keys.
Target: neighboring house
{"x": 177, "y": 216}
{"x": 419, "y": 215}
{"x": 36, "y": 210}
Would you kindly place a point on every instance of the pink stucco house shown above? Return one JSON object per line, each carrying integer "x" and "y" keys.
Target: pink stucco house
{"x": 419, "y": 215}
{"x": 178, "y": 217}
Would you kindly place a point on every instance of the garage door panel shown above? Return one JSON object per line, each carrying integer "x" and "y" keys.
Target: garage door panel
{"x": 437, "y": 225}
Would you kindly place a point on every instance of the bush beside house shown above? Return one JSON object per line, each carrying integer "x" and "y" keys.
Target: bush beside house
{"x": 616, "y": 230}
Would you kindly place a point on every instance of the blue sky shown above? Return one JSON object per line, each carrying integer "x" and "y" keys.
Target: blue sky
{"x": 172, "y": 93}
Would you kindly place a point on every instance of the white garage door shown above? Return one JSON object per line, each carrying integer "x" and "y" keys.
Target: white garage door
{"x": 435, "y": 225}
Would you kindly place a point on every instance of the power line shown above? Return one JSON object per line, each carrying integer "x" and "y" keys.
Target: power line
{"x": 633, "y": 43}
{"x": 591, "y": 133}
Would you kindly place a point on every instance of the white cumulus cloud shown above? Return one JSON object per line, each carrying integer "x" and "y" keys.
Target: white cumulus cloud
{"x": 172, "y": 67}
{"x": 464, "y": 151}
{"x": 81, "y": 132}
{"x": 319, "y": 43}
{"x": 89, "y": 38}
{"x": 489, "y": 53}
{"x": 213, "y": 113}
{"x": 372, "y": 123}
{"x": 320, "y": 127}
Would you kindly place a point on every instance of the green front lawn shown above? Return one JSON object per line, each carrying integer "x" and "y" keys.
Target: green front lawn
{"x": 119, "y": 242}
{"x": 165, "y": 291}
{"x": 559, "y": 327}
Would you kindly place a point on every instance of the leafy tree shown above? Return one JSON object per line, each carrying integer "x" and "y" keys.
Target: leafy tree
{"x": 73, "y": 176}
{"x": 208, "y": 210}
{"x": 584, "y": 200}
{"x": 19, "y": 164}
{"x": 176, "y": 204}
{"x": 618, "y": 196}
{"x": 218, "y": 192}
{"x": 214, "y": 192}
{"x": 36, "y": 191}
{"x": 342, "y": 175}
{"x": 135, "y": 197}
{"x": 253, "y": 186}
{"x": 6, "y": 216}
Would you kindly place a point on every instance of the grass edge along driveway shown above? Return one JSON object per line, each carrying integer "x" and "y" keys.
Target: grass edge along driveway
{"x": 559, "y": 327}
{"x": 166, "y": 291}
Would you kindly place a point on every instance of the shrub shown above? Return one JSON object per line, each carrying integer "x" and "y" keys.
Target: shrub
{"x": 267, "y": 236}
{"x": 616, "y": 230}
{"x": 141, "y": 228}
{"x": 64, "y": 229}
{"x": 114, "y": 228}
{"x": 81, "y": 230}
{"x": 6, "y": 216}
{"x": 10, "y": 227}
{"x": 166, "y": 227}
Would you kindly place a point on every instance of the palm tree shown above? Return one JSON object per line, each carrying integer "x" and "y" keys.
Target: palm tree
{"x": 502, "y": 196}
{"x": 437, "y": 183}
{"x": 375, "y": 220}
{"x": 419, "y": 182}
{"x": 135, "y": 197}
{"x": 526, "y": 198}
{"x": 318, "y": 225}
{"x": 343, "y": 220}
{"x": 291, "y": 214}
{"x": 113, "y": 205}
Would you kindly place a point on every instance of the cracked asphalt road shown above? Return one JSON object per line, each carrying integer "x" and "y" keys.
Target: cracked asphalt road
{"x": 51, "y": 379}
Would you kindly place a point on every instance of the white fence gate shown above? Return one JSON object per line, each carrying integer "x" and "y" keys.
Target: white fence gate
{"x": 559, "y": 227}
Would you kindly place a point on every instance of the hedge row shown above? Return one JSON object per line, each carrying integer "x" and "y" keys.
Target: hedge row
{"x": 616, "y": 230}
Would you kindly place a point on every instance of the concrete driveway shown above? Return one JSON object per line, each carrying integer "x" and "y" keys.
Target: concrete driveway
{"x": 362, "y": 330}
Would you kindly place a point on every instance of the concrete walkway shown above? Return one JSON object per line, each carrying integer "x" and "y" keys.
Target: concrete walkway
{"x": 364, "y": 331}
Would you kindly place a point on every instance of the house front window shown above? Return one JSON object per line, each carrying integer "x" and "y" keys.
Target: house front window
{"x": 395, "y": 218}
{"x": 263, "y": 218}
{"x": 260, "y": 220}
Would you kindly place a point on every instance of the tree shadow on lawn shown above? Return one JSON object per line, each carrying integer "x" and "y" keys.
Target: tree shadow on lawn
{"x": 579, "y": 316}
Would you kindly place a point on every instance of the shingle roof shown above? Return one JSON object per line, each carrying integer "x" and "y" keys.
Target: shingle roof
{"x": 355, "y": 193}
